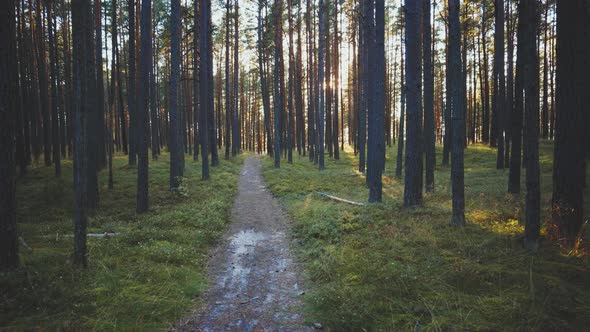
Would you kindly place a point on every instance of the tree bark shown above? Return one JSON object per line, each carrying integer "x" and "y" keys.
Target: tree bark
{"x": 457, "y": 108}
{"x": 570, "y": 126}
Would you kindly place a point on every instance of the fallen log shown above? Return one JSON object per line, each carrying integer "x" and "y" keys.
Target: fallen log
{"x": 338, "y": 199}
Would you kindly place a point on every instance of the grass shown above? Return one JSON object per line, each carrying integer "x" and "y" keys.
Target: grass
{"x": 143, "y": 279}
{"x": 385, "y": 267}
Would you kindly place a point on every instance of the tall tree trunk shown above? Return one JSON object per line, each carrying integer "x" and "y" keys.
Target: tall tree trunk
{"x": 9, "y": 258}
{"x": 145, "y": 60}
{"x": 412, "y": 185}
{"x": 363, "y": 69}
{"x": 336, "y": 86}
{"x": 131, "y": 92}
{"x": 320, "y": 85}
{"x": 428, "y": 96}
{"x": 570, "y": 125}
{"x": 448, "y": 135}
{"x": 263, "y": 82}
{"x": 499, "y": 81}
{"x": 310, "y": 85}
{"x": 378, "y": 68}
{"x": 290, "y": 126}
{"x": 100, "y": 158}
{"x": 84, "y": 99}
{"x": 196, "y": 81}
{"x": 545, "y": 109}
{"x": 298, "y": 86}
{"x": 205, "y": 8}
{"x": 486, "y": 138}
{"x": 176, "y": 152}
{"x": 276, "y": 97}
{"x": 236, "y": 109}
{"x": 43, "y": 79}
{"x": 457, "y": 114}
{"x": 531, "y": 101}
{"x": 228, "y": 106}
{"x": 209, "y": 96}
{"x": 368, "y": 15}
{"x": 53, "y": 85}
{"x": 517, "y": 112}
{"x": 402, "y": 116}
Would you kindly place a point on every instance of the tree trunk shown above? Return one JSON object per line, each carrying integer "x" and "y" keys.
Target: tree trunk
{"x": 84, "y": 88}
{"x": 9, "y": 258}
{"x": 175, "y": 144}
{"x": 531, "y": 101}
{"x": 276, "y": 97}
{"x": 375, "y": 184}
{"x": 131, "y": 92}
{"x": 457, "y": 108}
{"x": 53, "y": 85}
{"x": 205, "y": 8}
{"x": 499, "y": 82}
{"x": 236, "y": 109}
{"x": 570, "y": 126}
{"x": 143, "y": 140}
{"x": 428, "y": 97}
{"x": 412, "y": 185}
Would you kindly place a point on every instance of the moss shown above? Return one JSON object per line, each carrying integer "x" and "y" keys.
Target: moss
{"x": 143, "y": 279}
{"x": 384, "y": 267}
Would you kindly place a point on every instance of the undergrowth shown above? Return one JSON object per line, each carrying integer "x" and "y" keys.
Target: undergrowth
{"x": 144, "y": 278}
{"x": 383, "y": 267}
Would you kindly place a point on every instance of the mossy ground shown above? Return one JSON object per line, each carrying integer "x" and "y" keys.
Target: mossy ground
{"x": 385, "y": 267}
{"x": 143, "y": 279}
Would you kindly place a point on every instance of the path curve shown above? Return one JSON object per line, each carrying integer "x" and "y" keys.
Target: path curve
{"x": 255, "y": 283}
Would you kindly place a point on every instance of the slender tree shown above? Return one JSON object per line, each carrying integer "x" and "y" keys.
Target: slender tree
{"x": 145, "y": 60}
{"x": 402, "y": 118}
{"x": 131, "y": 92}
{"x": 531, "y": 134}
{"x": 53, "y": 85}
{"x": 100, "y": 158}
{"x": 204, "y": 8}
{"x": 276, "y": 98}
{"x": 429, "y": 136}
{"x": 412, "y": 185}
{"x": 263, "y": 82}
{"x": 499, "y": 81}
{"x": 457, "y": 115}
{"x": 378, "y": 68}
{"x": 517, "y": 111}
{"x": 176, "y": 151}
{"x": 236, "y": 110}
{"x": 196, "y": 83}
{"x": 320, "y": 86}
{"x": 228, "y": 106}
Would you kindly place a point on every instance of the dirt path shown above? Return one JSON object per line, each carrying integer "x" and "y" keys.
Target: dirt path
{"x": 254, "y": 281}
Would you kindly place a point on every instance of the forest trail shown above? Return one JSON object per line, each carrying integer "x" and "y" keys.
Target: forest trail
{"x": 255, "y": 284}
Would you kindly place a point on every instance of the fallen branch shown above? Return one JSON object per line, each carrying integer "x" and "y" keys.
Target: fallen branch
{"x": 338, "y": 199}
{"x": 23, "y": 243}
{"x": 95, "y": 235}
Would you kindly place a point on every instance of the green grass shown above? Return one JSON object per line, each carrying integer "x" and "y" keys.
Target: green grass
{"x": 143, "y": 279}
{"x": 385, "y": 267}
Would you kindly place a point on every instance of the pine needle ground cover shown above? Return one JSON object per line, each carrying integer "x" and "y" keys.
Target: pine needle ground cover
{"x": 385, "y": 267}
{"x": 144, "y": 278}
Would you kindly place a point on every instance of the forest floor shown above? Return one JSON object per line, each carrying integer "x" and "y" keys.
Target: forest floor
{"x": 254, "y": 281}
{"x": 149, "y": 275}
{"x": 384, "y": 267}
